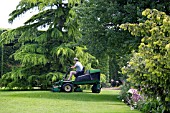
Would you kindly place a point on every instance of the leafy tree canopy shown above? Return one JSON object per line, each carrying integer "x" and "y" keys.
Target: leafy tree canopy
{"x": 45, "y": 55}
{"x": 100, "y": 20}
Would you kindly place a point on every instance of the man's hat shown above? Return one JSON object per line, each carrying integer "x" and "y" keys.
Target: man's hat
{"x": 76, "y": 59}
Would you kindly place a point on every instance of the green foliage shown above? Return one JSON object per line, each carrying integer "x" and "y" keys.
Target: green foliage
{"x": 42, "y": 52}
{"x": 100, "y": 20}
{"x": 5, "y": 51}
{"x": 153, "y": 106}
{"x": 150, "y": 66}
{"x": 100, "y": 30}
{"x": 44, "y": 55}
{"x": 123, "y": 93}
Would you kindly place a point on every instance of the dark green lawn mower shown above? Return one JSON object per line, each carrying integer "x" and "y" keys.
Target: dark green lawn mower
{"x": 91, "y": 77}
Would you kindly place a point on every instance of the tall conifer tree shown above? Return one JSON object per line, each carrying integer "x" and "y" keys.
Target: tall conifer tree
{"x": 44, "y": 54}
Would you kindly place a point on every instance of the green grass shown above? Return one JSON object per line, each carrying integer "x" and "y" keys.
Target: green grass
{"x": 49, "y": 102}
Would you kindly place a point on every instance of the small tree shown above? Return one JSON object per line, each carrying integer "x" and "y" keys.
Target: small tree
{"x": 149, "y": 68}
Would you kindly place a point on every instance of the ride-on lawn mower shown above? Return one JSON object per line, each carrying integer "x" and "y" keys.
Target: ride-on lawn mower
{"x": 91, "y": 77}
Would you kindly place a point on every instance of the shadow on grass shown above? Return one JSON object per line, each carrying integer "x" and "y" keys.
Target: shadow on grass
{"x": 81, "y": 96}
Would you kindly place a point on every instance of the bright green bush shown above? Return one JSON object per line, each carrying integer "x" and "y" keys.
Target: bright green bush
{"x": 149, "y": 68}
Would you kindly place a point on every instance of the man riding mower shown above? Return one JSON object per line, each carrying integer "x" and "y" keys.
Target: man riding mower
{"x": 91, "y": 77}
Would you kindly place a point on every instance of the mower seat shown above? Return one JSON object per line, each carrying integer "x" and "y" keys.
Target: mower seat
{"x": 90, "y": 75}
{"x": 80, "y": 73}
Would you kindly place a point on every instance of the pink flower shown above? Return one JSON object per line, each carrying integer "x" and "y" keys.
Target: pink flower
{"x": 135, "y": 95}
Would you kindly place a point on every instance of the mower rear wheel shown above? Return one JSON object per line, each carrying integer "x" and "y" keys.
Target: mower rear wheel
{"x": 67, "y": 87}
{"x": 96, "y": 88}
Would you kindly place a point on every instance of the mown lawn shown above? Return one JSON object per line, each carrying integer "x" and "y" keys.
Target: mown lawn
{"x": 49, "y": 102}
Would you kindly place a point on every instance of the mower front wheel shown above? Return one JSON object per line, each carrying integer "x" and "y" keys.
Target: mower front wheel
{"x": 67, "y": 87}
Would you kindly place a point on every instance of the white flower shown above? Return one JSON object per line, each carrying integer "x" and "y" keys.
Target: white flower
{"x": 131, "y": 107}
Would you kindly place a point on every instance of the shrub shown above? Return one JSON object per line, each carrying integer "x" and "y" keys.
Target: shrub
{"x": 150, "y": 66}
